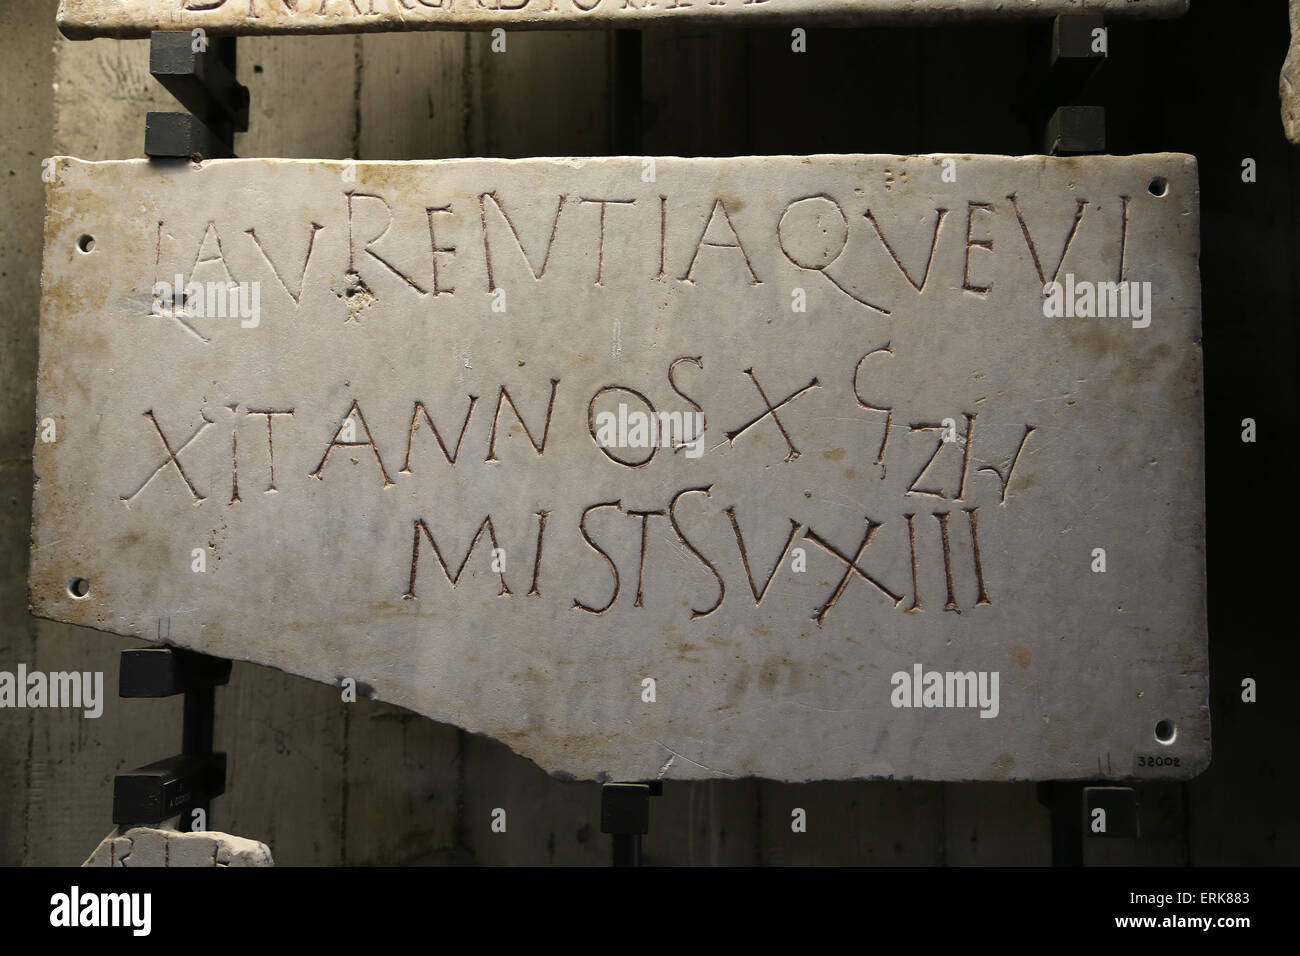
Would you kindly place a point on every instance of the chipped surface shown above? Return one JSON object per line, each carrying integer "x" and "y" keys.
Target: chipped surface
{"x": 1289, "y": 81}
{"x": 146, "y": 846}
{"x": 340, "y": 536}
{"x": 134, "y": 18}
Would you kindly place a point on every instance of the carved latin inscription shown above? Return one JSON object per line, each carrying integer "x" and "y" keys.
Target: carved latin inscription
{"x": 503, "y": 439}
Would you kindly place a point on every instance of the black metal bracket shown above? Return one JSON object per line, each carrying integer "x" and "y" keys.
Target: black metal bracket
{"x": 1063, "y": 802}
{"x": 625, "y": 114}
{"x": 625, "y": 815}
{"x": 167, "y": 671}
{"x": 190, "y": 780}
{"x": 200, "y": 72}
{"x": 1075, "y": 131}
{"x": 1072, "y": 805}
{"x": 1077, "y": 49}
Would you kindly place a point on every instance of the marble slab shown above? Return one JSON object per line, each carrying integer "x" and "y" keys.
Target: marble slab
{"x": 798, "y": 467}
{"x": 149, "y": 846}
{"x": 80, "y": 19}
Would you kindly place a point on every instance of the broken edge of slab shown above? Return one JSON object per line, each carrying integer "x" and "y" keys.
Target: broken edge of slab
{"x": 148, "y": 846}
{"x": 89, "y": 19}
{"x": 1288, "y": 84}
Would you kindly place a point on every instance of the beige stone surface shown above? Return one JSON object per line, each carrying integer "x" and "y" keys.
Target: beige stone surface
{"x": 1289, "y": 81}
{"x": 90, "y": 18}
{"x": 146, "y": 846}
{"x": 507, "y": 574}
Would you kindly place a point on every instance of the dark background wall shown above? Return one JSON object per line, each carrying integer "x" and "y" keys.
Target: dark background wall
{"x": 365, "y": 783}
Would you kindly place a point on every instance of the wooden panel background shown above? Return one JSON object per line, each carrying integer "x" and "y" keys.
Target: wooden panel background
{"x": 325, "y": 782}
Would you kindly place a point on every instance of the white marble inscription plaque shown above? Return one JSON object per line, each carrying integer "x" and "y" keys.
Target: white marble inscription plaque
{"x": 793, "y": 467}
{"x": 135, "y": 18}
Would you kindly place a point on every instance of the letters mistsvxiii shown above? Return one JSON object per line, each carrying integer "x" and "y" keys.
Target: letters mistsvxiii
{"x": 502, "y": 440}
